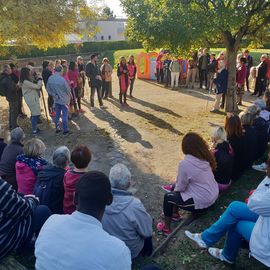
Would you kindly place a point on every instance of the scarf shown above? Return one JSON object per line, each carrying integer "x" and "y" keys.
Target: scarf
{"x": 34, "y": 163}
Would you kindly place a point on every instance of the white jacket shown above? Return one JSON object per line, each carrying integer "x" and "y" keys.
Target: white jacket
{"x": 259, "y": 203}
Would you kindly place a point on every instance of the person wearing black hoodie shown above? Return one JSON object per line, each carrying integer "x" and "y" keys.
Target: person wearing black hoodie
{"x": 49, "y": 187}
{"x": 250, "y": 138}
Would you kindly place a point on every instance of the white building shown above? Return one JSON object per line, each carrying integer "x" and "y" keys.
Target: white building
{"x": 109, "y": 30}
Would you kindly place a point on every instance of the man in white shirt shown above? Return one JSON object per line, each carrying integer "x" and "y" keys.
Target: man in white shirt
{"x": 78, "y": 241}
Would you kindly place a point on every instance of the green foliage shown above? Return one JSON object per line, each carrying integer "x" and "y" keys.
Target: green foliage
{"x": 86, "y": 47}
{"x": 107, "y": 13}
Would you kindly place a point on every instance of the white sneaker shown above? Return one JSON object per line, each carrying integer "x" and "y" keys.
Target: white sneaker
{"x": 260, "y": 167}
{"x": 196, "y": 238}
{"x": 204, "y": 87}
{"x": 103, "y": 107}
{"x": 217, "y": 253}
{"x": 92, "y": 109}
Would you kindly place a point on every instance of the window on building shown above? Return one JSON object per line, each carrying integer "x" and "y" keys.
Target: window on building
{"x": 102, "y": 37}
{"x": 109, "y": 37}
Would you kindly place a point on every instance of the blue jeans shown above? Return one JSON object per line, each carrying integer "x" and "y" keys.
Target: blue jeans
{"x": 238, "y": 221}
{"x": 34, "y": 120}
{"x": 61, "y": 111}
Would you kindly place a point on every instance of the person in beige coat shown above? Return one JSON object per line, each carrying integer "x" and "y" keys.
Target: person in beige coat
{"x": 31, "y": 94}
{"x": 106, "y": 73}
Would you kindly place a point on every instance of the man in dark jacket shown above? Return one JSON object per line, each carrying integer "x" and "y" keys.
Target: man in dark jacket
{"x": 9, "y": 156}
{"x": 204, "y": 61}
{"x": 8, "y": 88}
{"x": 93, "y": 73}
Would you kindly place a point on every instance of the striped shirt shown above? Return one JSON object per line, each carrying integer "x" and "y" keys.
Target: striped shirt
{"x": 15, "y": 218}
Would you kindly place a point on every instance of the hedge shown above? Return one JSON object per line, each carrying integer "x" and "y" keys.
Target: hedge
{"x": 85, "y": 47}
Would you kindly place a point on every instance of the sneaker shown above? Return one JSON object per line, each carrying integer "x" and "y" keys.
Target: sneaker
{"x": 58, "y": 130}
{"x": 92, "y": 109}
{"x": 217, "y": 253}
{"x": 204, "y": 87}
{"x": 168, "y": 188}
{"x": 214, "y": 111}
{"x": 52, "y": 114}
{"x": 66, "y": 133}
{"x": 175, "y": 217}
{"x": 161, "y": 227}
{"x": 196, "y": 237}
{"x": 102, "y": 107}
{"x": 81, "y": 111}
{"x": 260, "y": 167}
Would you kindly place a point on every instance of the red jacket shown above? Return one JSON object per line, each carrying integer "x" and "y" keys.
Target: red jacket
{"x": 70, "y": 180}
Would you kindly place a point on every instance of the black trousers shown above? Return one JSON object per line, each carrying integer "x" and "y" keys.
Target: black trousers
{"x": 50, "y": 103}
{"x": 174, "y": 198}
{"x": 92, "y": 97}
{"x": 203, "y": 78}
{"x": 121, "y": 95}
{"x": 247, "y": 78}
{"x": 13, "y": 114}
{"x": 106, "y": 89}
{"x": 167, "y": 77}
{"x": 160, "y": 75}
{"x": 147, "y": 247}
{"x": 131, "y": 85}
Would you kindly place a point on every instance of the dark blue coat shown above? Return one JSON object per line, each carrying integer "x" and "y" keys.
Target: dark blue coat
{"x": 221, "y": 82}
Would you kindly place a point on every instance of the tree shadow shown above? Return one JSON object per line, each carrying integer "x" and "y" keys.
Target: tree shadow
{"x": 160, "y": 123}
{"x": 155, "y": 107}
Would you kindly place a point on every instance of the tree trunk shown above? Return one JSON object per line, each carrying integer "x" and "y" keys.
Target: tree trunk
{"x": 230, "y": 102}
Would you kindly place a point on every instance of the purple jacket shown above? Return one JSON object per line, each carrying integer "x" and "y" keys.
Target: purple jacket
{"x": 196, "y": 180}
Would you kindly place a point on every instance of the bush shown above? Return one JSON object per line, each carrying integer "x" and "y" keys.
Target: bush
{"x": 30, "y": 51}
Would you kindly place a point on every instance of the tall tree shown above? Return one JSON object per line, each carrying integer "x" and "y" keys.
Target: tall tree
{"x": 107, "y": 13}
{"x": 181, "y": 25}
{"x": 44, "y": 23}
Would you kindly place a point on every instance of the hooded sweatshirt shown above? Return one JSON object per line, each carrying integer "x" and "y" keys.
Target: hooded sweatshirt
{"x": 127, "y": 219}
{"x": 56, "y": 175}
{"x": 196, "y": 180}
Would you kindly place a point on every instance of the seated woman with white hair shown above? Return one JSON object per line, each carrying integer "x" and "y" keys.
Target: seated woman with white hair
{"x": 126, "y": 218}
{"x": 50, "y": 181}
{"x": 223, "y": 152}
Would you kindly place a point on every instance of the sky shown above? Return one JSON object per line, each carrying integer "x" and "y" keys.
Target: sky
{"x": 115, "y": 6}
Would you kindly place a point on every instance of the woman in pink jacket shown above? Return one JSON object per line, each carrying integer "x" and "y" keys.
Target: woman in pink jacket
{"x": 29, "y": 164}
{"x": 241, "y": 71}
{"x": 196, "y": 188}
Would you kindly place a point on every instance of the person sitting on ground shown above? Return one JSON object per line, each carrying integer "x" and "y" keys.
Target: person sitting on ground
{"x": 80, "y": 157}
{"x": 31, "y": 94}
{"x": 260, "y": 126}
{"x": 9, "y": 156}
{"x": 250, "y": 139}
{"x": 224, "y": 157}
{"x": 29, "y": 164}
{"x": 196, "y": 188}
{"x": 59, "y": 89}
{"x": 78, "y": 241}
{"x": 126, "y": 218}
{"x": 241, "y": 221}
{"x": 52, "y": 178}
{"x": 21, "y": 218}
{"x": 234, "y": 134}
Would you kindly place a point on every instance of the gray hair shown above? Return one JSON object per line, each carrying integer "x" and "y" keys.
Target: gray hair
{"x": 120, "y": 176}
{"x": 58, "y": 68}
{"x": 17, "y": 135}
{"x": 61, "y": 157}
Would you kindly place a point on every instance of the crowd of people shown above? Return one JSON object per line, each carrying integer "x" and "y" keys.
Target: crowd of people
{"x": 212, "y": 74}
{"x": 65, "y": 86}
{"x": 61, "y": 202}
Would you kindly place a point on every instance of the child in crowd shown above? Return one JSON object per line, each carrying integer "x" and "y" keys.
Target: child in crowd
{"x": 80, "y": 157}
{"x": 122, "y": 73}
{"x": 106, "y": 74}
{"x": 241, "y": 71}
{"x": 196, "y": 188}
{"x": 132, "y": 70}
{"x": 29, "y": 164}
{"x": 224, "y": 157}
{"x": 234, "y": 134}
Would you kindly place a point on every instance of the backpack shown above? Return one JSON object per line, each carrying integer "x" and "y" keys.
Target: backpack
{"x": 50, "y": 191}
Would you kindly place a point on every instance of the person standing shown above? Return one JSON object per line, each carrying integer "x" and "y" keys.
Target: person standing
{"x": 81, "y": 69}
{"x": 190, "y": 73}
{"x": 166, "y": 68}
{"x": 132, "y": 70}
{"x": 211, "y": 70}
{"x": 106, "y": 74}
{"x": 93, "y": 73}
{"x": 122, "y": 73}
{"x": 8, "y": 89}
{"x": 58, "y": 88}
{"x": 159, "y": 69}
{"x": 249, "y": 64}
{"x": 46, "y": 73}
{"x": 241, "y": 71}
{"x": 204, "y": 61}
{"x": 31, "y": 94}
{"x": 261, "y": 79}
{"x": 175, "y": 73}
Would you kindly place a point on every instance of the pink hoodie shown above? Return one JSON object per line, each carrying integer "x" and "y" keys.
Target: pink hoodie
{"x": 196, "y": 180}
